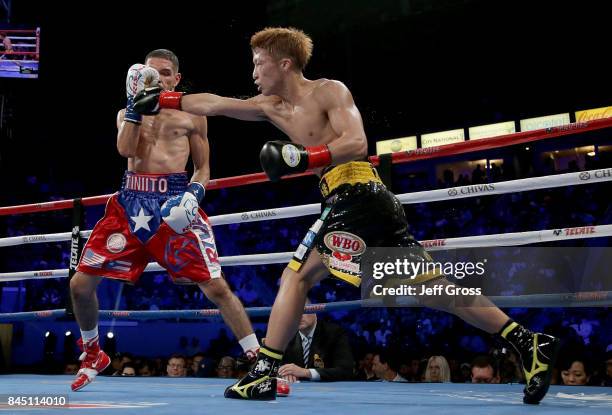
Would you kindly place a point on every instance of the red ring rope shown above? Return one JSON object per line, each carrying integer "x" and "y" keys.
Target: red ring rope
{"x": 402, "y": 157}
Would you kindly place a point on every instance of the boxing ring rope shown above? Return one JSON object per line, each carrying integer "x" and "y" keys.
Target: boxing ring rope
{"x": 520, "y": 238}
{"x": 480, "y": 241}
{"x": 583, "y": 299}
{"x": 396, "y": 158}
{"x": 460, "y": 192}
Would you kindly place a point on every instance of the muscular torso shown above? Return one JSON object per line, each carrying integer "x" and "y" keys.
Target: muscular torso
{"x": 163, "y": 145}
{"x": 306, "y": 122}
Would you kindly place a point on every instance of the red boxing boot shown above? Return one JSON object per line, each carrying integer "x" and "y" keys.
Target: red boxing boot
{"x": 93, "y": 361}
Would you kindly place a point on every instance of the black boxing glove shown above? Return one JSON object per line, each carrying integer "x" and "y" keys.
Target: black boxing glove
{"x": 150, "y": 100}
{"x": 279, "y": 158}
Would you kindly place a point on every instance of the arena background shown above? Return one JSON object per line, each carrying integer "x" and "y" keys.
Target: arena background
{"x": 413, "y": 67}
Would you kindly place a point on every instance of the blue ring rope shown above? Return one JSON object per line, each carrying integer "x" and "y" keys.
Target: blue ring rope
{"x": 584, "y": 299}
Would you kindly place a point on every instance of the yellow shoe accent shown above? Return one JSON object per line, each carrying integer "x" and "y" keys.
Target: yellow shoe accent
{"x": 536, "y": 365}
{"x": 242, "y": 390}
{"x": 509, "y": 329}
{"x": 270, "y": 353}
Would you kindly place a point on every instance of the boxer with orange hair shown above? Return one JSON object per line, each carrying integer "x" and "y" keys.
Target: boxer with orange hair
{"x": 327, "y": 136}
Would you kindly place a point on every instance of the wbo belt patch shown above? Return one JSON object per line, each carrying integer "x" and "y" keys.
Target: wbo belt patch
{"x": 344, "y": 243}
{"x": 344, "y": 256}
{"x": 341, "y": 251}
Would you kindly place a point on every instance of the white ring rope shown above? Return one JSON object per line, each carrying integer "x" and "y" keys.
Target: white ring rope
{"x": 511, "y": 186}
{"x": 266, "y": 214}
{"x": 520, "y": 185}
{"x": 17, "y": 61}
{"x": 35, "y": 239}
{"x": 502, "y": 239}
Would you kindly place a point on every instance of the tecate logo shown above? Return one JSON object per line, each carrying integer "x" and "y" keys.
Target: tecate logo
{"x": 433, "y": 242}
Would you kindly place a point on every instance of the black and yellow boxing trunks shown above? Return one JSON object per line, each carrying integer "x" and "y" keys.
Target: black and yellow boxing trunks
{"x": 358, "y": 212}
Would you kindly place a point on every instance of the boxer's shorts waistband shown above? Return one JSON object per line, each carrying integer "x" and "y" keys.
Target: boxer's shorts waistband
{"x": 167, "y": 184}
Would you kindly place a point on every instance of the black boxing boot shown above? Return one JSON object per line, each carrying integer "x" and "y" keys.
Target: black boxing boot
{"x": 538, "y": 354}
{"x": 246, "y": 361}
{"x": 260, "y": 383}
